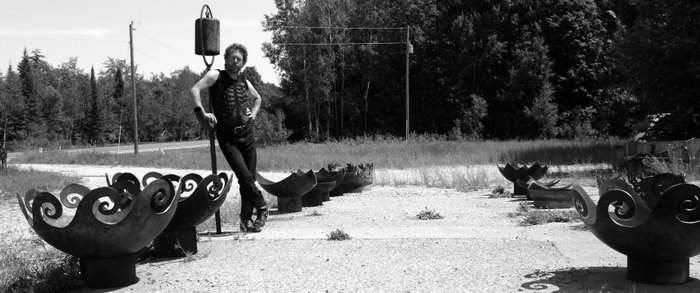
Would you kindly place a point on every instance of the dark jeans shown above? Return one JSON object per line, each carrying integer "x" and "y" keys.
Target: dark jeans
{"x": 239, "y": 150}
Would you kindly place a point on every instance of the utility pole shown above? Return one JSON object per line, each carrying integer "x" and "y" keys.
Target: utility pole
{"x": 409, "y": 50}
{"x": 133, "y": 89}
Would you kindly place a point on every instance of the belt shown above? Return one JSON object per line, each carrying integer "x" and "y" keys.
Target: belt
{"x": 235, "y": 130}
{"x": 239, "y": 129}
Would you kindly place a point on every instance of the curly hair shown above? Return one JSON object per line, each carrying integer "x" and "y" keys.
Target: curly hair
{"x": 239, "y": 47}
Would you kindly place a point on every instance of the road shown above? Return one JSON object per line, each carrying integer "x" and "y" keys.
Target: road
{"x": 128, "y": 149}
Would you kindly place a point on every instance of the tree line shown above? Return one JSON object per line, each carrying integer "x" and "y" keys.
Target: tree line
{"x": 55, "y": 107}
{"x": 489, "y": 68}
{"x": 496, "y": 69}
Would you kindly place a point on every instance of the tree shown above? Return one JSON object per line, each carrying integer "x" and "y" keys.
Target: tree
{"x": 30, "y": 113}
{"x": 660, "y": 56}
{"x": 95, "y": 119}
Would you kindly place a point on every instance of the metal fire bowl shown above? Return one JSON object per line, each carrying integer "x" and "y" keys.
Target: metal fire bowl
{"x": 291, "y": 186}
{"x": 357, "y": 177}
{"x": 657, "y": 239}
{"x": 199, "y": 198}
{"x": 101, "y": 223}
{"x": 324, "y": 175}
{"x": 321, "y": 186}
{"x": 552, "y": 199}
{"x": 514, "y": 172}
{"x": 535, "y": 184}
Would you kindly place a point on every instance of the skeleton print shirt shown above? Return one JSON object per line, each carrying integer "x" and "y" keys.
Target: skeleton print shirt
{"x": 230, "y": 100}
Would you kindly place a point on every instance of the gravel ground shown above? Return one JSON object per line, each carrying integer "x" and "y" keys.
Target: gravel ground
{"x": 475, "y": 247}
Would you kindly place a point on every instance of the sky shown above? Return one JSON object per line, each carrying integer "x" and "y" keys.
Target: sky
{"x": 92, "y": 31}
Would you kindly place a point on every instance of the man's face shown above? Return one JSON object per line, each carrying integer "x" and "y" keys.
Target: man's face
{"x": 234, "y": 62}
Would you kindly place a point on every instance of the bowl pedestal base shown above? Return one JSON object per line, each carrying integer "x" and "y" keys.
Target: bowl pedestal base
{"x": 100, "y": 273}
{"x": 659, "y": 272}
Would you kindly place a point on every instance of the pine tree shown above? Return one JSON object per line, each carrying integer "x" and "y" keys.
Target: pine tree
{"x": 95, "y": 127}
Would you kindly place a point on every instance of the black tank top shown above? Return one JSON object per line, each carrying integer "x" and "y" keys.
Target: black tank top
{"x": 229, "y": 100}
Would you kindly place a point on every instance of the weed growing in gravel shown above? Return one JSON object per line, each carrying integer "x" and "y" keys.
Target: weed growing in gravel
{"x": 427, "y": 214}
{"x": 531, "y": 216}
{"x": 339, "y": 235}
{"x": 189, "y": 256}
{"x": 538, "y": 217}
{"x": 314, "y": 214}
{"x": 500, "y": 192}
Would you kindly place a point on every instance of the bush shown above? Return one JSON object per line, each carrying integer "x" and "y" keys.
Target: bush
{"x": 427, "y": 214}
{"x": 339, "y": 235}
{"x": 270, "y": 129}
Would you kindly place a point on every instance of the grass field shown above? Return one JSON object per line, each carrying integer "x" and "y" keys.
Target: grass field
{"x": 29, "y": 265}
{"x": 417, "y": 152}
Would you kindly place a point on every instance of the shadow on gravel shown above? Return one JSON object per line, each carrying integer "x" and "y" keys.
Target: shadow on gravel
{"x": 597, "y": 279}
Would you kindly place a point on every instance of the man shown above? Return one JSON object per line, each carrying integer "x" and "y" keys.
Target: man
{"x": 233, "y": 119}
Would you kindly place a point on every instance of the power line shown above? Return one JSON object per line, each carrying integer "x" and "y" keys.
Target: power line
{"x": 345, "y": 28}
{"x": 329, "y": 44}
{"x": 154, "y": 58}
{"x": 166, "y": 46}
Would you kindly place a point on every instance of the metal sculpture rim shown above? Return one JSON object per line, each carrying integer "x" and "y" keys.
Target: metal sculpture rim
{"x": 106, "y": 222}
{"x": 667, "y": 228}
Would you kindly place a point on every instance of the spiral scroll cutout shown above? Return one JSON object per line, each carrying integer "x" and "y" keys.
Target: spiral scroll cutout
{"x": 125, "y": 177}
{"x": 188, "y": 183}
{"x": 684, "y": 201}
{"x": 149, "y": 177}
{"x": 162, "y": 194}
{"x": 126, "y": 190}
{"x": 216, "y": 186}
{"x": 585, "y": 207}
{"x": 629, "y": 210}
{"x": 72, "y": 194}
{"x": 47, "y": 205}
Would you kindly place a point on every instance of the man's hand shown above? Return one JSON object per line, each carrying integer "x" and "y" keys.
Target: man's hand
{"x": 250, "y": 114}
{"x": 206, "y": 120}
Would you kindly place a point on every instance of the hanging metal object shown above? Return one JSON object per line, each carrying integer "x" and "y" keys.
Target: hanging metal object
{"x": 206, "y": 35}
{"x": 206, "y": 43}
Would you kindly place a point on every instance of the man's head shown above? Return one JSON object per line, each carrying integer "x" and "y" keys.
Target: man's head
{"x": 235, "y": 57}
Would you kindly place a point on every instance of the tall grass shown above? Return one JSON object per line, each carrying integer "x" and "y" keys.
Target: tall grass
{"x": 20, "y": 181}
{"x": 26, "y": 262}
{"x": 385, "y": 153}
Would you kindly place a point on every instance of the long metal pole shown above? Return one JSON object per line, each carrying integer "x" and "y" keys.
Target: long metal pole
{"x": 407, "y": 95}
{"x": 133, "y": 89}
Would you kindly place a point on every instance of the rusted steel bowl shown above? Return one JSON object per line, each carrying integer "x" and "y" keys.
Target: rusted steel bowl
{"x": 513, "y": 172}
{"x": 289, "y": 190}
{"x": 198, "y": 199}
{"x": 357, "y": 178}
{"x": 657, "y": 236}
{"x": 315, "y": 196}
{"x": 104, "y": 227}
{"x": 545, "y": 195}
{"x": 324, "y": 175}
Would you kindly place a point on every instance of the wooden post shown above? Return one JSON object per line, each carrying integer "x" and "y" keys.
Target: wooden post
{"x": 408, "y": 49}
{"x": 133, "y": 89}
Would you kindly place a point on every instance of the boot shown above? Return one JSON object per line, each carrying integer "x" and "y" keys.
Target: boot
{"x": 261, "y": 218}
{"x": 248, "y": 226}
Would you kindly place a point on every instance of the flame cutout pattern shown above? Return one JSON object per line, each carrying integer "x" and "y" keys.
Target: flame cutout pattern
{"x": 198, "y": 197}
{"x": 205, "y": 199}
{"x": 108, "y": 221}
{"x": 666, "y": 229}
{"x": 513, "y": 172}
